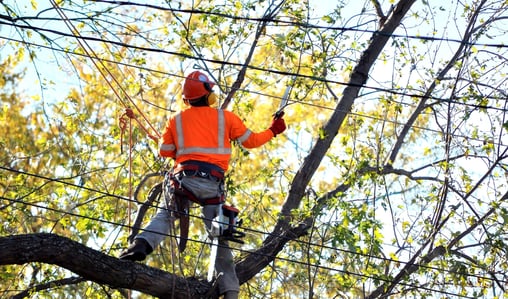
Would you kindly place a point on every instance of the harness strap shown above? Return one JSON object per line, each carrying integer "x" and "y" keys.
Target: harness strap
{"x": 192, "y": 167}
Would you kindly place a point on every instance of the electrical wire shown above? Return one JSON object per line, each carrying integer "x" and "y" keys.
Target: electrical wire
{"x": 464, "y": 137}
{"x": 296, "y": 23}
{"x": 253, "y": 231}
{"x": 277, "y": 97}
{"x": 288, "y": 260}
{"x": 221, "y": 62}
{"x": 331, "y": 269}
{"x": 292, "y": 261}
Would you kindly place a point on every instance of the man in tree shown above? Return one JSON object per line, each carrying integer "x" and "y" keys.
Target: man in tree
{"x": 199, "y": 140}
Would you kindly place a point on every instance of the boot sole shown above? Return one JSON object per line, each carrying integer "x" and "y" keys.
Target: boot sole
{"x": 133, "y": 256}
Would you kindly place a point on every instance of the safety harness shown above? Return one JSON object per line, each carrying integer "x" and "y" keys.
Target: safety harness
{"x": 181, "y": 170}
{"x": 227, "y": 220}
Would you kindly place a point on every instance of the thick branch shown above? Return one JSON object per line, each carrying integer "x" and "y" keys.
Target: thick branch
{"x": 358, "y": 78}
{"x": 283, "y": 232}
{"x": 258, "y": 260}
{"x": 98, "y": 267}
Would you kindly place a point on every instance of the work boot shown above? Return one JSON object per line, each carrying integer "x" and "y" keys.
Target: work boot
{"x": 137, "y": 251}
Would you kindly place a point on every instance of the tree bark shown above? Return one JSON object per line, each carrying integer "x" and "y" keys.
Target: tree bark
{"x": 99, "y": 267}
{"x": 283, "y": 232}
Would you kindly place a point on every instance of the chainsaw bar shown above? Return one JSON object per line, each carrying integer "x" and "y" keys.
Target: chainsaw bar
{"x": 285, "y": 99}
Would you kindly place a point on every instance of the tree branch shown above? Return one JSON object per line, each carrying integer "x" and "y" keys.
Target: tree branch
{"x": 422, "y": 105}
{"x": 358, "y": 78}
{"x": 283, "y": 232}
{"x": 412, "y": 266}
{"x": 268, "y": 16}
{"x": 379, "y": 11}
{"x": 98, "y": 267}
{"x": 61, "y": 282}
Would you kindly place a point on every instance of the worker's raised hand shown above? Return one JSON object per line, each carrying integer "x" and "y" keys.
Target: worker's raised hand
{"x": 278, "y": 124}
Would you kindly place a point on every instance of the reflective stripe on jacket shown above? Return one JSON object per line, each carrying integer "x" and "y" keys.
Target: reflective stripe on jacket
{"x": 205, "y": 134}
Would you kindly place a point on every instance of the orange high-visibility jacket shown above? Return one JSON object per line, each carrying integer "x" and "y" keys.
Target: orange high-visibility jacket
{"x": 205, "y": 134}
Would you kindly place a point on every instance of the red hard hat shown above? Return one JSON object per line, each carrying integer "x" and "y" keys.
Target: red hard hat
{"x": 196, "y": 85}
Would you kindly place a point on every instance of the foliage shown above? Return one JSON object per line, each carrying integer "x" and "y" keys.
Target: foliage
{"x": 408, "y": 199}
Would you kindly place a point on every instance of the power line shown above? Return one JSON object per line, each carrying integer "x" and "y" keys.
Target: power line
{"x": 185, "y": 55}
{"x": 293, "y": 261}
{"x": 443, "y": 100}
{"x": 366, "y": 87}
{"x": 302, "y": 242}
{"x": 298, "y": 24}
{"x": 222, "y": 62}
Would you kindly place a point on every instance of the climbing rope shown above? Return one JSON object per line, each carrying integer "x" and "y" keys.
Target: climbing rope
{"x": 105, "y": 72}
{"x": 127, "y": 117}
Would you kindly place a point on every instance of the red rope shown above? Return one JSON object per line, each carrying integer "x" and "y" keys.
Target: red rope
{"x": 104, "y": 71}
{"x": 122, "y": 124}
{"x": 129, "y": 115}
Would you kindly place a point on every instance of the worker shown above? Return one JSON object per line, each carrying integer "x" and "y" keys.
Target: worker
{"x": 199, "y": 140}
